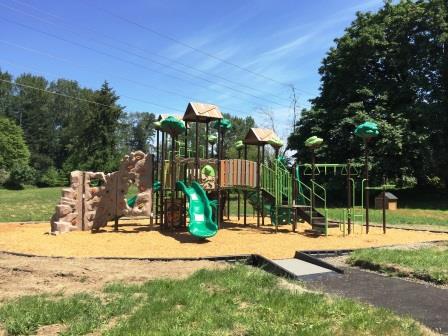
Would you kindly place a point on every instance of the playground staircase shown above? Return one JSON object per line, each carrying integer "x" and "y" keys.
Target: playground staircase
{"x": 319, "y": 223}
{"x": 306, "y": 209}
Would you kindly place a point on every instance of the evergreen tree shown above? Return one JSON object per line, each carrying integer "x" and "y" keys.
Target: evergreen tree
{"x": 97, "y": 146}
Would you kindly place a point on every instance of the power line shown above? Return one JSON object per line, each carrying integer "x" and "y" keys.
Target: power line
{"x": 52, "y": 92}
{"x": 100, "y": 72}
{"x": 136, "y": 55}
{"x": 140, "y": 48}
{"x": 90, "y": 101}
{"x": 186, "y": 45}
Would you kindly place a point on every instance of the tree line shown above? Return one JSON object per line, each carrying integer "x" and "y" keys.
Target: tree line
{"x": 44, "y": 136}
{"x": 390, "y": 67}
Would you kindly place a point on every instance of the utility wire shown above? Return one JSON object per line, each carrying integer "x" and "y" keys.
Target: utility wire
{"x": 87, "y": 28}
{"x": 142, "y": 57}
{"x": 186, "y": 45}
{"x": 52, "y": 92}
{"x": 87, "y": 69}
{"x": 90, "y": 101}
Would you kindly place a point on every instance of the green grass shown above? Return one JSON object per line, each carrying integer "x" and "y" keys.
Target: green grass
{"x": 35, "y": 204}
{"x": 430, "y": 264}
{"x": 234, "y": 301}
{"x": 413, "y": 218}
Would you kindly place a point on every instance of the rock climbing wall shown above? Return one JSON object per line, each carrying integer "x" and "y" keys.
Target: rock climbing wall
{"x": 94, "y": 198}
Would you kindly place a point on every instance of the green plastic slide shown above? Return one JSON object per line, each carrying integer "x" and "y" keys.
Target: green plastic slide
{"x": 200, "y": 210}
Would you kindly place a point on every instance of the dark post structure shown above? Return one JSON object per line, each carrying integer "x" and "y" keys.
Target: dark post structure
{"x": 366, "y": 131}
{"x": 206, "y": 139}
{"x": 384, "y": 204}
{"x": 366, "y": 185}
{"x": 162, "y": 183}
{"x": 349, "y": 198}
{"x": 262, "y": 198}
{"x": 239, "y": 196}
{"x": 196, "y": 165}
{"x": 258, "y": 185}
{"x": 157, "y": 170}
{"x": 245, "y": 191}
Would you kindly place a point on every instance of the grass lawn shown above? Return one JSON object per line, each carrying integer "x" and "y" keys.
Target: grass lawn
{"x": 413, "y": 218}
{"x": 428, "y": 263}
{"x": 38, "y": 205}
{"x": 35, "y": 204}
{"x": 235, "y": 301}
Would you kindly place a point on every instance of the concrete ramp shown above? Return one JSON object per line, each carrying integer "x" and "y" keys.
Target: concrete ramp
{"x": 300, "y": 268}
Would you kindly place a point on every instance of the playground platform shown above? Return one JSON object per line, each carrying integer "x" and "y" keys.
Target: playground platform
{"x": 137, "y": 239}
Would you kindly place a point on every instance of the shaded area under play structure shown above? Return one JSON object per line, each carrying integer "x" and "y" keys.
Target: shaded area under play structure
{"x": 187, "y": 182}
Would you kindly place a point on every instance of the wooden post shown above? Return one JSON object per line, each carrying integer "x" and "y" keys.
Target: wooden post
{"x": 366, "y": 185}
{"x": 349, "y": 198}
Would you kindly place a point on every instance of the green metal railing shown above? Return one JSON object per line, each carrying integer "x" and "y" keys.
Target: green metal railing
{"x": 321, "y": 194}
{"x": 277, "y": 182}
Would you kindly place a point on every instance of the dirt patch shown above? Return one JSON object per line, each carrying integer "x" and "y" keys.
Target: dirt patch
{"x": 24, "y": 275}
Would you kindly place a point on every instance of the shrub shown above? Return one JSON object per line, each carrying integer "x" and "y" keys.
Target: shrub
{"x": 21, "y": 175}
{"x": 51, "y": 178}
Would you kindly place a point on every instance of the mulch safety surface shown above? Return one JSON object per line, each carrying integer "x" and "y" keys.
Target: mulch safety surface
{"x": 137, "y": 239}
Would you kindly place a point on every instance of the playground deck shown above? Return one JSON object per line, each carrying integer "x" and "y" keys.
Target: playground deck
{"x": 137, "y": 239}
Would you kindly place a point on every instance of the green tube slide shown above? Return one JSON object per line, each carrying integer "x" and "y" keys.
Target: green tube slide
{"x": 200, "y": 210}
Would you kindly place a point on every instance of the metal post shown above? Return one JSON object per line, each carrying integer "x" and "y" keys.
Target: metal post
{"x": 196, "y": 170}
{"x": 162, "y": 183}
{"x": 366, "y": 185}
{"x": 238, "y": 192}
{"x": 384, "y": 204}
{"x": 185, "y": 170}
{"x": 157, "y": 170}
{"x": 349, "y": 198}
{"x": 206, "y": 139}
{"x": 258, "y": 185}
{"x": 219, "y": 176}
{"x": 245, "y": 191}
{"x": 262, "y": 198}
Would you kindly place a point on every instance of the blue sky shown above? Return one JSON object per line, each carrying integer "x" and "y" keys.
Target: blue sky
{"x": 95, "y": 40}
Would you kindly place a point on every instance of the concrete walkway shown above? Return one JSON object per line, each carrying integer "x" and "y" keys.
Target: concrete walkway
{"x": 425, "y": 303}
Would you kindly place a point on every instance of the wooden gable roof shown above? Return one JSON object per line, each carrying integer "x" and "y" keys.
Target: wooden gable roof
{"x": 201, "y": 112}
{"x": 259, "y": 136}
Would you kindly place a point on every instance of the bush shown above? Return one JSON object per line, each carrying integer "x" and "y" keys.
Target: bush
{"x": 21, "y": 175}
{"x": 51, "y": 178}
{"x": 4, "y": 176}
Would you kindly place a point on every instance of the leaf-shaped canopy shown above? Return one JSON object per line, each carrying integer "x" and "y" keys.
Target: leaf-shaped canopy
{"x": 314, "y": 142}
{"x": 367, "y": 130}
{"x": 157, "y": 125}
{"x": 212, "y": 139}
{"x": 276, "y": 143}
{"x": 225, "y": 124}
{"x": 239, "y": 144}
{"x": 173, "y": 125}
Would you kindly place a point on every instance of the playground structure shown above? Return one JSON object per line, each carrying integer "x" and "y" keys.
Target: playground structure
{"x": 186, "y": 174}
